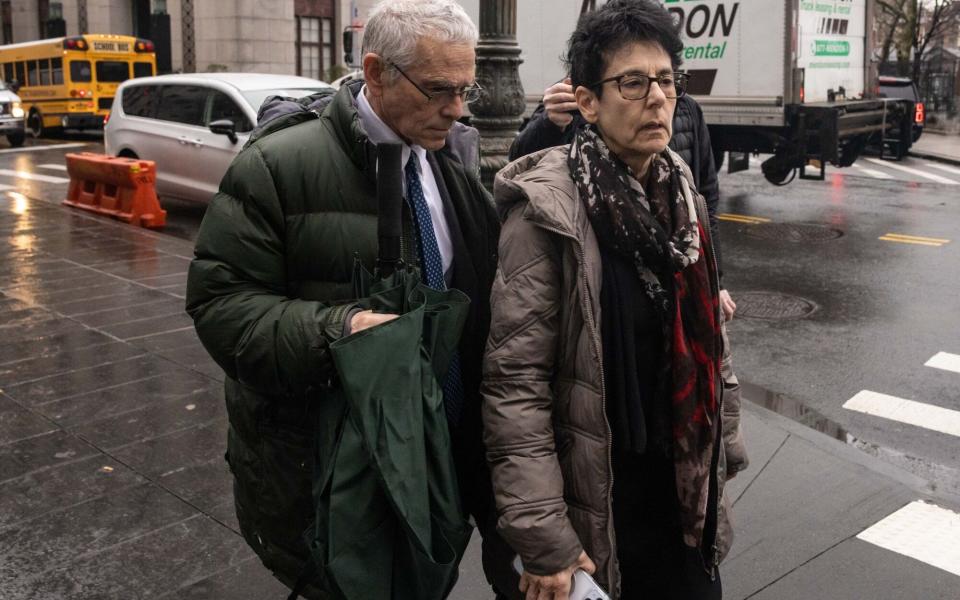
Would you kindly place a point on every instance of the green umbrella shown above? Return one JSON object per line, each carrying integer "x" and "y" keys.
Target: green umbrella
{"x": 388, "y": 519}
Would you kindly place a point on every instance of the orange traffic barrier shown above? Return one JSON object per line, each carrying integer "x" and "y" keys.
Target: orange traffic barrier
{"x": 122, "y": 188}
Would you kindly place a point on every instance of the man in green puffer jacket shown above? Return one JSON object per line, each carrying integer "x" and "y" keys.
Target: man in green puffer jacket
{"x": 270, "y": 287}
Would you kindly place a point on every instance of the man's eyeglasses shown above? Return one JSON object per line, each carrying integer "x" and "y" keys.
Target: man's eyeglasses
{"x": 444, "y": 95}
{"x": 634, "y": 86}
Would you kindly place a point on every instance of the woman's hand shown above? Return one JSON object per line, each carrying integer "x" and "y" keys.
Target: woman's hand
{"x": 727, "y": 305}
{"x": 556, "y": 586}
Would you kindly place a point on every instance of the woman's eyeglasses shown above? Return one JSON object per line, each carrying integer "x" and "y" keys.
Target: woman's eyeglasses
{"x": 634, "y": 86}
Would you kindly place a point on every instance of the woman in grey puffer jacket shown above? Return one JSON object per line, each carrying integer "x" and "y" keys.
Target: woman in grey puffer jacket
{"x": 602, "y": 391}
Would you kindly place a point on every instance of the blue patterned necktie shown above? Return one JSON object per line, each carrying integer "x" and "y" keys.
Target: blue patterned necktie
{"x": 431, "y": 267}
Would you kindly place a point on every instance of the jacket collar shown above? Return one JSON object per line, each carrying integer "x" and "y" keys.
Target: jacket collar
{"x": 542, "y": 179}
{"x": 343, "y": 115}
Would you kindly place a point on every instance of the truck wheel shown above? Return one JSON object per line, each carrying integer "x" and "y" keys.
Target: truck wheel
{"x": 16, "y": 139}
{"x": 35, "y": 123}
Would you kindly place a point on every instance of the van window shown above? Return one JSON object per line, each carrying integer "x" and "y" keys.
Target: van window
{"x": 56, "y": 71}
{"x": 140, "y": 100}
{"x": 142, "y": 69}
{"x": 183, "y": 104}
{"x": 224, "y": 107}
{"x": 112, "y": 71}
{"x": 80, "y": 71}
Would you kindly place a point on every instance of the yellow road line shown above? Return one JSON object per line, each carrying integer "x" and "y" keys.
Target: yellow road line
{"x": 742, "y": 219}
{"x": 918, "y": 242}
{"x": 917, "y": 238}
{"x": 738, "y": 220}
{"x": 761, "y": 219}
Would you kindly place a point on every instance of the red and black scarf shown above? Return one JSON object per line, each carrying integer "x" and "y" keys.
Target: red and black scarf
{"x": 656, "y": 227}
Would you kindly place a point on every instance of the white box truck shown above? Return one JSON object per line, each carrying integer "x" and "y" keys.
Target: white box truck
{"x": 793, "y": 78}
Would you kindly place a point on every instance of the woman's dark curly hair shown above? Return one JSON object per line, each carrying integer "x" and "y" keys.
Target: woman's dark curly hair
{"x": 602, "y": 32}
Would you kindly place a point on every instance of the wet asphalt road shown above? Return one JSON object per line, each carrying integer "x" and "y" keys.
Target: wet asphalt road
{"x": 881, "y": 308}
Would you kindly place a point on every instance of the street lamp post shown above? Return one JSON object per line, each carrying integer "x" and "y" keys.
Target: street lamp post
{"x": 498, "y": 112}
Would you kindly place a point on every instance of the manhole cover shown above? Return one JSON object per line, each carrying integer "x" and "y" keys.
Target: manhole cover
{"x": 772, "y": 306}
{"x": 792, "y": 232}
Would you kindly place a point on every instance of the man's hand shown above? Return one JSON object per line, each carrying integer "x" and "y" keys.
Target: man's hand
{"x": 727, "y": 305}
{"x": 556, "y": 586}
{"x": 365, "y": 319}
{"x": 558, "y": 100}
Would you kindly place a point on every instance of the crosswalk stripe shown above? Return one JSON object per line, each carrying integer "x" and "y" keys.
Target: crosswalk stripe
{"x": 945, "y": 361}
{"x": 39, "y": 148}
{"x": 922, "y": 531}
{"x": 912, "y": 171}
{"x": 54, "y": 167}
{"x": 4, "y": 187}
{"x": 946, "y": 168}
{"x": 872, "y": 172}
{"x": 906, "y": 411}
{"x": 34, "y": 176}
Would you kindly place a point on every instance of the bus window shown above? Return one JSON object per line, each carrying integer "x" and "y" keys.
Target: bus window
{"x": 56, "y": 70}
{"x": 45, "y": 71}
{"x": 32, "y": 73}
{"x": 7, "y": 71}
{"x": 112, "y": 71}
{"x": 80, "y": 70}
{"x": 21, "y": 74}
{"x": 142, "y": 69}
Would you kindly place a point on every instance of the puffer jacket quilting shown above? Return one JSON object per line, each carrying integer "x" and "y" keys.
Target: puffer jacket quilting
{"x": 270, "y": 288}
{"x": 545, "y": 424}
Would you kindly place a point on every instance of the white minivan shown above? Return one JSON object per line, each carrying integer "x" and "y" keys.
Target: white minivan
{"x": 193, "y": 125}
{"x": 11, "y": 115}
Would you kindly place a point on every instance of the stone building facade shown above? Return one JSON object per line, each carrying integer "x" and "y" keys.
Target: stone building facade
{"x": 269, "y": 36}
{"x": 274, "y": 36}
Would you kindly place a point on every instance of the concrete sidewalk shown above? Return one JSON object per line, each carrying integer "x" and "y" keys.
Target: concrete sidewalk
{"x": 112, "y": 433}
{"x": 938, "y": 146}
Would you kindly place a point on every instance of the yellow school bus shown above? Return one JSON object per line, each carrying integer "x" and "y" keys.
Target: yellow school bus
{"x": 71, "y": 81}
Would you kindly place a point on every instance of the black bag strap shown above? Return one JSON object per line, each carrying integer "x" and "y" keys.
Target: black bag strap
{"x": 389, "y": 206}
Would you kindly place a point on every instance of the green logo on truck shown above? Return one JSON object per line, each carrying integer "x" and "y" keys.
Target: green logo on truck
{"x": 831, "y": 48}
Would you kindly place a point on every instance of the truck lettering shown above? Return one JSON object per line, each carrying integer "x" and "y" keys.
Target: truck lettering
{"x": 708, "y": 51}
{"x": 695, "y": 23}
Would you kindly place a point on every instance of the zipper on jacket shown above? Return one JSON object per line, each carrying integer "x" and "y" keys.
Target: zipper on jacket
{"x": 591, "y": 319}
{"x": 715, "y": 559}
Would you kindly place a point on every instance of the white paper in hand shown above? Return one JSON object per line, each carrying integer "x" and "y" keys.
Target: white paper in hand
{"x": 583, "y": 587}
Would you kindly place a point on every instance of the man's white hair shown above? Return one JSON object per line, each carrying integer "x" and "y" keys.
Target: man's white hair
{"x": 395, "y": 26}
